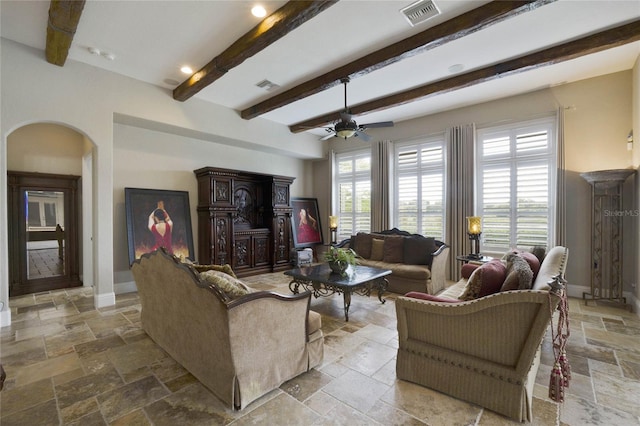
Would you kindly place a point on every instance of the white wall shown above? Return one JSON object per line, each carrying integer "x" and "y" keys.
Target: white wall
{"x": 597, "y": 122}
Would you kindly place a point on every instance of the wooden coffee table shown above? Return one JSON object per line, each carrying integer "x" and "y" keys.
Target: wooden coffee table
{"x": 321, "y": 281}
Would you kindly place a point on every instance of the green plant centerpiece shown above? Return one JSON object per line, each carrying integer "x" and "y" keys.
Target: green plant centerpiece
{"x": 340, "y": 258}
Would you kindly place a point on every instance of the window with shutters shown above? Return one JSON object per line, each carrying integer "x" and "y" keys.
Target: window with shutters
{"x": 419, "y": 181}
{"x": 352, "y": 187}
{"x": 515, "y": 185}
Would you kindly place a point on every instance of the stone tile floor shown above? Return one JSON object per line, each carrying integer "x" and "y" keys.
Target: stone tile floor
{"x": 68, "y": 363}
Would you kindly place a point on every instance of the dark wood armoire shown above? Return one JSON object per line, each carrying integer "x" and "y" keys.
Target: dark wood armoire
{"x": 244, "y": 219}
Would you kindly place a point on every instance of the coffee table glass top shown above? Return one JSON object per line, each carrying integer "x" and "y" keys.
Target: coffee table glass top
{"x": 356, "y": 274}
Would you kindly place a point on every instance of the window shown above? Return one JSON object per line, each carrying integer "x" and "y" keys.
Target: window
{"x": 353, "y": 191}
{"x": 516, "y": 175}
{"x": 419, "y": 194}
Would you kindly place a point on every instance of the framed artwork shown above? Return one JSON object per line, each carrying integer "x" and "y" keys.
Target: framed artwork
{"x": 307, "y": 230}
{"x": 158, "y": 218}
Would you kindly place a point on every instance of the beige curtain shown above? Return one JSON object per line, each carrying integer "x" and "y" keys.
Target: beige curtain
{"x": 380, "y": 185}
{"x": 561, "y": 196}
{"x": 460, "y": 142}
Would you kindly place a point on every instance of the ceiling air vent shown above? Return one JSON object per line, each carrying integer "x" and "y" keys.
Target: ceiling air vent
{"x": 267, "y": 85}
{"x": 420, "y": 11}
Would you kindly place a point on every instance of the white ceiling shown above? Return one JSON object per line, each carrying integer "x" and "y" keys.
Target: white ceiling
{"x": 151, "y": 40}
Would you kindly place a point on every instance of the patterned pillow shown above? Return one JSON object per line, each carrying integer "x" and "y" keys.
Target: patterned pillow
{"x": 532, "y": 260}
{"x": 229, "y": 285}
{"x": 222, "y": 268}
{"x": 519, "y": 273}
{"x": 485, "y": 280}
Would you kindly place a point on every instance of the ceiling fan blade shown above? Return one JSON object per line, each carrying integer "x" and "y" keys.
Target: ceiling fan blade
{"x": 362, "y": 135}
{"x": 379, "y": 124}
{"x": 329, "y": 136}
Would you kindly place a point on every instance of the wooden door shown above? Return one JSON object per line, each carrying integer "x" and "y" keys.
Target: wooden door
{"x": 43, "y": 232}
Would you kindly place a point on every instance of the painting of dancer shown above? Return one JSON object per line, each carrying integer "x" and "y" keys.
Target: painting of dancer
{"x": 158, "y": 218}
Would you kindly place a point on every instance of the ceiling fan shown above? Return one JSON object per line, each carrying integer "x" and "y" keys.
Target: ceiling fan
{"x": 346, "y": 127}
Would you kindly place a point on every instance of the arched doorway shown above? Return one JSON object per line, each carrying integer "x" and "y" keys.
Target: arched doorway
{"x": 49, "y": 203}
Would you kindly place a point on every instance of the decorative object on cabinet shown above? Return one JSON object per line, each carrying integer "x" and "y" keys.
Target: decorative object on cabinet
{"x": 158, "y": 218}
{"x": 606, "y": 233}
{"x": 307, "y": 230}
{"x": 244, "y": 219}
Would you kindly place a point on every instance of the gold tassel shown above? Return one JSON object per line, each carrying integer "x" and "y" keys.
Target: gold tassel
{"x": 565, "y": 367}
{"x": 556, "y": 384}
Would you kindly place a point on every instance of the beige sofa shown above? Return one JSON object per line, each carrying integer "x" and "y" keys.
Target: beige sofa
{"x": 239, "y": 348}
{"x": 417, "y": 263}
{"x": 485, "y": 351}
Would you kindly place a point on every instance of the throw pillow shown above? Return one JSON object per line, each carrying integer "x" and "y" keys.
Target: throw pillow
{"x": 540, "y": 252}
{"x": 362, "y": 244}
{"x": 531, "y": 259}
{"x": 467, "y": 269}
{"x": 222, "y": 268}
{"x": 377, "y": 249}
{"x": 430, "y": 297}
{"x": 419, "y": 250}
{"x": 229, "y": 285}
{"x": 519, "y": 273}
{"x": 485, "y": 280}
{"x": 393, "y": 249}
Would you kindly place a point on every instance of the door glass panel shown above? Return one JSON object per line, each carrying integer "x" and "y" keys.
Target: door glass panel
{"x": 45, "y": 234}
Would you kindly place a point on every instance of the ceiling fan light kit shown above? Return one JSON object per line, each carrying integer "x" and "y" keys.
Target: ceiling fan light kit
{"x": 346, "y": 127}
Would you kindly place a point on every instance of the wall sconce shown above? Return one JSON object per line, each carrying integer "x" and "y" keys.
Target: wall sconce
{"x": 630, "y": 141}
{"x": 474, "y": 229}
{"x": 333, "y": 226}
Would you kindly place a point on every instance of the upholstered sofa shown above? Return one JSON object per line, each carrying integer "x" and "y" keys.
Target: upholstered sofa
{"x": 417, "y": 263}
{"x": 485, "y": 351}
{"x": 239, "y": 347}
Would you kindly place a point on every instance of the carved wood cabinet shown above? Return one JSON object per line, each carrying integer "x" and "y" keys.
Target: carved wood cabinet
{"x": 244, "y": 219}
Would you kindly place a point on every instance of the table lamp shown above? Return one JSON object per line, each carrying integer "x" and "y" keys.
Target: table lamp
{"x": 333, "y": 227}
{"x": 474, "y": 229}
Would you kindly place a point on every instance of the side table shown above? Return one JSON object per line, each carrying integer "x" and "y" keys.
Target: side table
{"x": 465, "y": 258}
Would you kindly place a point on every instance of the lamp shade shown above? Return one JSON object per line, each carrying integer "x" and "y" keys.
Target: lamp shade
{"x": 333, "y": 222}
{"x": 474, "y": 225}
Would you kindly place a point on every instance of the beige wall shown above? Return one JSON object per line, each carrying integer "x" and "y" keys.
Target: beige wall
{"x": 45, "y": 148}
{"x": 598, "y": 116}
{"x": 155, "y": 160}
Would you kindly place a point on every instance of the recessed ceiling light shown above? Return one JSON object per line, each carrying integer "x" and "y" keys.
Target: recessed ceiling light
{"x": 186, "y": 70}
{"x": 258, "y": 11}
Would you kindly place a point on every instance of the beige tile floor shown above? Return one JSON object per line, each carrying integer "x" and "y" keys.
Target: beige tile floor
{"x": 68, "y": 363}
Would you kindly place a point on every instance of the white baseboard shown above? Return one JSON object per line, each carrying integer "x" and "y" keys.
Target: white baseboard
{"x": 5, "y": 318}
{"x": 104, "y": 300}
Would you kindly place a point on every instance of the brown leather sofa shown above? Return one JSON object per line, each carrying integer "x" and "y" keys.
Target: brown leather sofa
{"x": 240, "y": 348}
{"x": 485, "y": 351}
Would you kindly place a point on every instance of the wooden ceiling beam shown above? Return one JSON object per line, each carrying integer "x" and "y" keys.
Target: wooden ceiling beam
{"x": 269, "y": 30}
{"x": 64, "y": 16}
{"x": 594, "y": 43}
{"x": 453, "y": 29}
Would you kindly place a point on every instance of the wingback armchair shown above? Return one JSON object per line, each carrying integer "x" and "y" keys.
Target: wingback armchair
{"x": 485, "y": 351}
